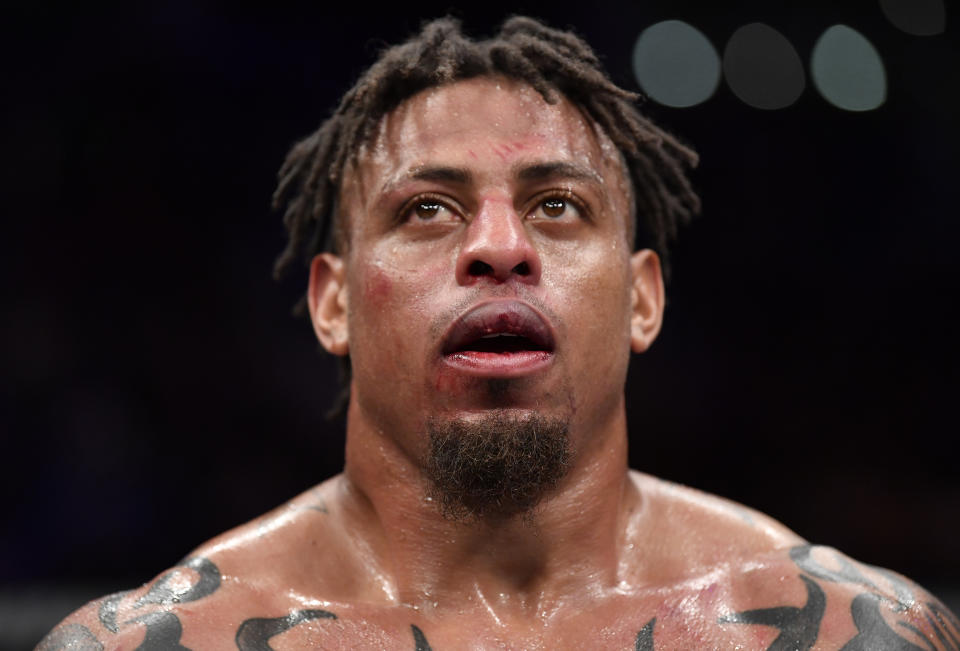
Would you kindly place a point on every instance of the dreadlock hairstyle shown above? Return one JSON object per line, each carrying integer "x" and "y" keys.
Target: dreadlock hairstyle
{"x": 555, "y": 63}
{"x": 551, "y": 61}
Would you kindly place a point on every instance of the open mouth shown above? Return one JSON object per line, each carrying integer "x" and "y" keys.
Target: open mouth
{"x": 501, "y": 342}
{"x": 499, "y": 338}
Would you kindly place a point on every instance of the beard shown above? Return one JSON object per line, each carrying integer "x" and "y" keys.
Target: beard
{"x": 497, "y": 466}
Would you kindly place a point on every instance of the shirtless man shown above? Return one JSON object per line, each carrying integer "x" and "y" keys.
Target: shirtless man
{"x": 470, "y": 212}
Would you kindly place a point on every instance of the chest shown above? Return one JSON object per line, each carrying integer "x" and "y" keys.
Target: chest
{"x": 660, "y": 621}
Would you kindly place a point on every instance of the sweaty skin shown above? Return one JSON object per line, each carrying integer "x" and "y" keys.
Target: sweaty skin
{"x": 472, "y": 193}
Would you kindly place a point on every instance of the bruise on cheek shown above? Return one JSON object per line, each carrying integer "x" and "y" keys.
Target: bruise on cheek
{"x": 378, "y": 287}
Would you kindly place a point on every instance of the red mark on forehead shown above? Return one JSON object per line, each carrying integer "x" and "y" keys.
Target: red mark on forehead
{"x": 503, "y": 151}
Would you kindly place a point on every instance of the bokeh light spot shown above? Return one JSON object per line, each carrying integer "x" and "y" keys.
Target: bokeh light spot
{"x": 762, "y": 68}
{"x": 847, "y": 70}
{"x": 675, "y": 64}
{"x": 917, "y": 17}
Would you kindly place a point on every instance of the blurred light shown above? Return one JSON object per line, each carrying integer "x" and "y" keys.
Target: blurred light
{"x": 847, "y": 70}
{"x": 675, "y": 64}
{"x": 918, "y": 17}
{"x": 762, "y": 67}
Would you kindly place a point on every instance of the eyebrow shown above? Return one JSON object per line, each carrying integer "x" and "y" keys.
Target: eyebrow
{"x": 522, "y": 171}
{"x": 441, "y": 173}
{"x": 554, "y": 169}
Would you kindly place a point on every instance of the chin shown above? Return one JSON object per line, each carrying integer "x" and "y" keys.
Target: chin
{"x": 496, "y": 463}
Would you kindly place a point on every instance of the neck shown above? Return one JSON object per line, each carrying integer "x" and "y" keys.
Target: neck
{"x": 570, "y": 542}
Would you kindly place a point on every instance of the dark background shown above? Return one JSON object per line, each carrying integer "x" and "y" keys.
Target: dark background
{"x": 156, "y": 390}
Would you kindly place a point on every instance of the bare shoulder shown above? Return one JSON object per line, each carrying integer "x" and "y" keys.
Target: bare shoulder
{"x": 83, "y": 630}
{"x": 697, "y": 530}
{"x": 817, "y": 597}
{"x": 149, "y": 617}
{"x": 223, "y": 592}
{"x": 762, "y": 586}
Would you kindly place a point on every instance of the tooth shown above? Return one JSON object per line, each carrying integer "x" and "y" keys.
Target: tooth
{"x": 499, "y": 334}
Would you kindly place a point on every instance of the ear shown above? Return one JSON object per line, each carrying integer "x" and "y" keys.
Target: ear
{"x": 327, "y": 301}
{"x": 647, "y": 299}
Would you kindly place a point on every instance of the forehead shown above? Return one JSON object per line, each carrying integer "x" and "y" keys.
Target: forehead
{"x": 486, "y": 124}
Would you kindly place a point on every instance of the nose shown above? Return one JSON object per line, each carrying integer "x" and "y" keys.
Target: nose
{"x": 497, "y": 247}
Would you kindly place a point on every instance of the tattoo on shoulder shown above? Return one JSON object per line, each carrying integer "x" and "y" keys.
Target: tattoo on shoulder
{"x": 645, "y": 637}
{"x": 107, "y": 613}
{"x": 70, "y": 636}
{"x": 163, "y": 632}
{"x": 319, "y": 503}
{"x": 419, "y": 639}
{"x": 254, "y": 633}
{"x": 914, "y": 620}
{"x": 163, "y": 628}
{"x": 166, "y": 591}
{"x": 798, "y": 627}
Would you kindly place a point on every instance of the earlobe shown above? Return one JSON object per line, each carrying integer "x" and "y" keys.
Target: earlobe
{"x": 327, "y": 300}
{"x": 647, "y": 299}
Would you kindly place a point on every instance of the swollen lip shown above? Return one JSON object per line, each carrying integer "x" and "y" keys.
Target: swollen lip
{"x": 499, "y": 339}
{"x": 499, "y": 364}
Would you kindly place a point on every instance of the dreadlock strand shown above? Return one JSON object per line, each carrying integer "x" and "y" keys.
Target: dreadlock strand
{"x": 572, "y": 72}
{"x": 571, "y": 45}
{"x": 604, "y": 115}
{"x": 510, "y": 61}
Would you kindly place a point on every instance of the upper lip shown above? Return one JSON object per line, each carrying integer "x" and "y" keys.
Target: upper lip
{"x": 508, "y": 317}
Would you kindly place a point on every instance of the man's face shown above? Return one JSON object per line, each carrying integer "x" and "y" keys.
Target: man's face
{"x": 488, "y": 266}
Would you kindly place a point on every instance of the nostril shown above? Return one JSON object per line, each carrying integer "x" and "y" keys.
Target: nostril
{"x": 522, "y": 269}
{"x": 479, "y": 268}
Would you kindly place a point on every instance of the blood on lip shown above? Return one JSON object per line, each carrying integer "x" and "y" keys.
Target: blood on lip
{"x": 499, "y": 328}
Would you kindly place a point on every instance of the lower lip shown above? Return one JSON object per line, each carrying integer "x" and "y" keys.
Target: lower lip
{"x": 500, "y": 365}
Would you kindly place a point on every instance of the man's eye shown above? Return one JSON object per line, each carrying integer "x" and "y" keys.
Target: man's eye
{"x": 555, "y": 208}
{"x": 429, "y": 210}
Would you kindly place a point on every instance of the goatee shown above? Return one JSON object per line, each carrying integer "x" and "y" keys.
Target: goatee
{"x": 497, "y": 465}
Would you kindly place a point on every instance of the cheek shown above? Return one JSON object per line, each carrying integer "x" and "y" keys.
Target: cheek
{"x": 599, "y": 292}
{"x": 377, "y": 288}
{"x": 390, "y": 304}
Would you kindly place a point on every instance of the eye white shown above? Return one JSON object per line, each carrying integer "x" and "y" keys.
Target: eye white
{"x": 556, "y": 208}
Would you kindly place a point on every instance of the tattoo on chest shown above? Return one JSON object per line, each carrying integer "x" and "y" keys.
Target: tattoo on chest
{"x": 254, "y": 633}
{"x": 644, "y": 640}
{"x": 419, "y": 639}
{"x": 800, "y": 626}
